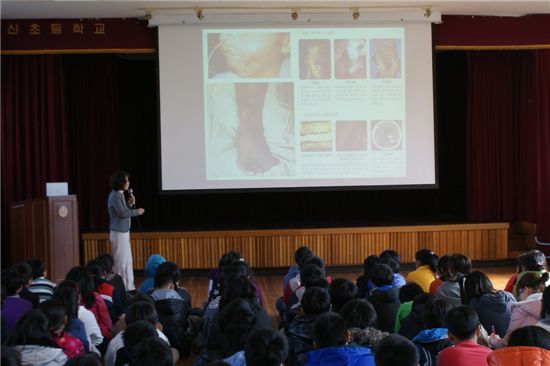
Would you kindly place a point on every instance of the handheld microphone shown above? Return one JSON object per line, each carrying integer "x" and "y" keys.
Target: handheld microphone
{"x": 131, "y": 193}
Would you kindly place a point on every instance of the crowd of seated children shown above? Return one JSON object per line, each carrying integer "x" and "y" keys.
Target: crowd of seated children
{"x": 40, "y": 285}
{"x": 111, "y": 296}
{"x": 426, "y": 267}
{"x": 107, "y": 262}
{"x": 331, "y": 337}
{"x": 533, "y": 261}
{"x": 451, "y": 290}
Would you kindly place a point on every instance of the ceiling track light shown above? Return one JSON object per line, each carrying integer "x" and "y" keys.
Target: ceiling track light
{"x": 355, "y": 13}
{"x": 294, "y": 14}
{"x": 200, "y": 15}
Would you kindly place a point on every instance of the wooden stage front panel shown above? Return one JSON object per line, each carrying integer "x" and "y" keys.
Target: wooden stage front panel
{"x": 337, "y": 246}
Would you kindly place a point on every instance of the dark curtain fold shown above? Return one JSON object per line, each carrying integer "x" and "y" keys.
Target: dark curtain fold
{"x": 34, "y": 129}
{"x": 508, "y": 137}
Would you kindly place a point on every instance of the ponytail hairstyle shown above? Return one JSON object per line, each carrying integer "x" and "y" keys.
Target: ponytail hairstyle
{"x": 68, "y": 296}
{"x": 533, "y": 281}
{"x": 55, "y": 313}
{"x": 85, "y": 283}
{"x": 477, "y": 284}
{"x": 427, "y": 258}
{"x": 237, "y": 320}
{"x": 31, "y": 329}
{"x": 459, "y": 266}
{"x": 533, "y": 260}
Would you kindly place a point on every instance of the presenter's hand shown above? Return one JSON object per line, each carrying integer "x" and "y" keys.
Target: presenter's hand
{"x": 141, "y": 211}
{"x": 131, "y": 201}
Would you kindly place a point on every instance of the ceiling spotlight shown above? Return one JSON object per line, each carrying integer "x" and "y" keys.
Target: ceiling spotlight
{"x": 200, "y": 15}
{"x": 294, "y": 14}
{"x": 355, "y": 14}
{"x": 427, "y": 13}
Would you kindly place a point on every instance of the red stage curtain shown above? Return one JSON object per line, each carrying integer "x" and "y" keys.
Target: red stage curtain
{"x": 508, "y": 137}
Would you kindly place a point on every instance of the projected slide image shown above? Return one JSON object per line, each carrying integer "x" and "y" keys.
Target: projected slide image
{"x": 386, "y": 135}
{"x": 350, "y": 58}
{"x": 316, "y": 136}
{"x": 351, "y": 135}
{"x": 250, "y": 130}
{"x": 314, "y": 59}
{"x": 385, "y": 57}
{"x": 248, "y": 55}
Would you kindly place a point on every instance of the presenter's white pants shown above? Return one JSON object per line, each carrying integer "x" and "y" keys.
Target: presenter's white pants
{"x": 122, "y": 254}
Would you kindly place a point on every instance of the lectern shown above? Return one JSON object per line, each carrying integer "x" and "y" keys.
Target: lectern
{"x": 46, "y": 228}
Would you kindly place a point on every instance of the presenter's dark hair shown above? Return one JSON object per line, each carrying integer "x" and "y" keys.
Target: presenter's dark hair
{"x": 118, "y": 179}
{"x": 396, "y": 350}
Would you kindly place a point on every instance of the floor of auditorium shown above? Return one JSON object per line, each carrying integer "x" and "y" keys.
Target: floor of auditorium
{"x": 271, "y": 289}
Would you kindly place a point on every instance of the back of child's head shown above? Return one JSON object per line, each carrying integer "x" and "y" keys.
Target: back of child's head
{"x": 31, "y": 329}
{"x": 315, "y": 301}
{"x": 238, "y": 287}
{"x": 152, "y": 351}
{"x": 139, "y": 297}
{"x": 55, "y": 313}
{"x": 170, "y": 268}
{"x": 459, "y": 265}
{"x": 409, "y": 291}
{"x": 25, "y": 271}
{"x": 477, "y": 284}
{"x": 396, "y": 350}
{"x": 313, "y": 259}
{"x": 136, "y": 332}
{"x": 390, "y": 253}
{"x": 38, "y": 267}
{"x": 107, "y": 262}
{"x": 330, "y": 330}
{"x": 228, "y": 258}
{"x": 96, "y": 269}
{"x": 341, "y": 290}
{"x": 390, "y": 262}
{"x": 369, "y": 263}
{"x": 163, "y": 279}
{"x": 141, "y": 310}
{"x": 535, "y": 281}
{"x": 11, "y": 280}
{"x": 462, "y": 321}
{"x": 68, "y": 297}
{"x": 533, "y": 260}
{"x": 85, "y": 283}
{"x": 545, "y": 310}
{"x": 443, "y": 265}
{"x": 10, "y": 356}
{"x": 315, "y": 281}
{"x": 237, "y": 320}
{"x": 530, "y": 336}
{"x": 90, "y": 359}
{"x": 265, "y": 347}
{"x": 359, "y": 313}
{"x": 236, "y": 268}
{"x": 422, "y": 299}
{"x": 382, "y": 275}
{"x": 310, "y": 270}
{"x": 301, "y": 253}
{"x": 434, "y": 313}
{"x": 425, "y": 257}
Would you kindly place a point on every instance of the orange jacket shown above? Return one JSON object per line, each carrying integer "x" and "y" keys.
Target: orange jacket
{"x": 519, "y": 356}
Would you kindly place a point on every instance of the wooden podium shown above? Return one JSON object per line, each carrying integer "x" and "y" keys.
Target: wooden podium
{"x": 46, "y": 228}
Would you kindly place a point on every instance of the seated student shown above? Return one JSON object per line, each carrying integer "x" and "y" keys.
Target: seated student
{"x": 40, "y": 285}
{"x": 152, "y": 351}
{"x": 463, "y": 328}
{"x": 363, "y": 281}
{"x": 140, "y": 310}
{"x": 237, "y": 321}
{"x": 153, "y": 262}
{"x": 294, "y": 270}
{"x": 25, "y": 272}
{"x": 341, "y": 290}
{"x": 533, "y": 261}
{"x": 407, "y": 294}
{"x": 528, "y": 346}
{"x": 115, "y": 280}
{"x": 13, "y": 306}
{"x": 133, "y": 334}
{"x": 57, "y": 321}
{"x": 91, "y": 299}
{"x": 331, "y": 337}
{"x": 530, "y": 336}
{"x": 68, "y": 297}
{"x": 108, "y": 292}
{"x": 385, "y": 257}
{"x": 360, "y": 318}
{"x": 315, "y": 302}
{"x": 33, "y": 341}
{"x": 426, "y": 266}
{"x": 295, "y": 283}
{"x": 451, "y": 290}
{"x": 413, "y": 323}
{"x": 433, "y": 339}
{"x": 173, "y": 312}
{"x": 385, "y": 297}
{"x": 308, "y": 273}
{"x": 396, "y": 350}
{"x": 492, "y": 306}
{"x": 440, "y": 274}
{"x": 544, "y": 321}
{"x": 265, "y": 347}
{"x": 93, "y": 331}
{"x": 215, "y": 274}
{"x": 528, "y": 310}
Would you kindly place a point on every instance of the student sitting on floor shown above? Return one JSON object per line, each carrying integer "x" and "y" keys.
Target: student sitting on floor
{"x": 40, "y": 285}
{"x": 265, "y": 347}
{"x": 385, "y": 297}
{"x": 396, "y": 350}
{"x": 426, "y": 266}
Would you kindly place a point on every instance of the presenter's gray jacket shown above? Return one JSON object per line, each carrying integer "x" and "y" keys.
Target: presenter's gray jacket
{"x": 119, "y": 212}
